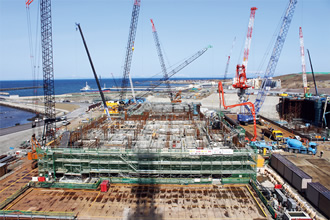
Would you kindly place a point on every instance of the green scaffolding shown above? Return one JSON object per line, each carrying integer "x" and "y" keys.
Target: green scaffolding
{"x": 169, "y": 165}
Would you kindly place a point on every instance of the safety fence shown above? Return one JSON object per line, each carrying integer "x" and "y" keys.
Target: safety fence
{"x": 19, "y": 214}
{"x": 184, "y": 181}
{"x": 235, "y": 180}
{"x": 64, "y": 185}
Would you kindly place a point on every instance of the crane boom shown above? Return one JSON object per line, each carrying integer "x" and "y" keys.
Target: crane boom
{"x": 303, "y": 63}
{"x": 227, "y": 65}
{"x": 262, "y": 93}
{"x": 130, "y": 48}
{"x": 48, "y": 70}
{"x": 161, "y": 59}
{"x": 94, "y": 72}
{"x": 222, "y": 97}
{"x": 249, "y": 37}
{"x": 187, "y": 62}
{"x": 180, "y": 67}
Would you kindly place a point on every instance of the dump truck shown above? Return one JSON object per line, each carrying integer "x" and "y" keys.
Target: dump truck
{"x": 273, "y": 134}
{"x": 293, "y": 145}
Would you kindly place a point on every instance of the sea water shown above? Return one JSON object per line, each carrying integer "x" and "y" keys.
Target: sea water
{"x": 9, "y": 117}
{"x": 63, "y": 86}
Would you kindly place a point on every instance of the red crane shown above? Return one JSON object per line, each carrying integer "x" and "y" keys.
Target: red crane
{"x": 240, "y": 80}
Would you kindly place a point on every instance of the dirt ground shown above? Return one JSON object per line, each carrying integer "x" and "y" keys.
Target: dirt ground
{"x": 250, "y": 128}
{"x": 318, "y": 168}
{"x": 20, "y": 176}
{"x": 294, "y": 81}
{"x": 146, "y": 202}
{"x": 65, "y": 106}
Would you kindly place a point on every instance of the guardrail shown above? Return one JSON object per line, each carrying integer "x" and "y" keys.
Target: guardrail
{"x": 18, "y": 214}
{"x": 66, "y": 185}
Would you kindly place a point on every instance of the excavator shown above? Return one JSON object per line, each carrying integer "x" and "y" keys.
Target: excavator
{"x": 33, "y": 154}
{"x": 177, "y": 98}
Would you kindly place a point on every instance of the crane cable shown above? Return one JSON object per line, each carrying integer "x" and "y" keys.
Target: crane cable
{"x": 34, "y": 52}
{"x": 271, "y": 42}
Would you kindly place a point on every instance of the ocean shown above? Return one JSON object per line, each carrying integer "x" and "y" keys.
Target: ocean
{"x": 9, "y": 116}
{"x": 63, "y": 86}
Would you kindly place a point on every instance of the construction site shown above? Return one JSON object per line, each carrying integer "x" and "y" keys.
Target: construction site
{"x": 159, "y": 155}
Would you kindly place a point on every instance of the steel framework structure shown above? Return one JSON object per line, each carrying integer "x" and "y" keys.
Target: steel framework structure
{"x": 161, "y": 59}
{"x": 147, "y": 164}
{"x": 130, "y": 48}
{"x": 48, "y": 69}
{"x": 262, "y": 93}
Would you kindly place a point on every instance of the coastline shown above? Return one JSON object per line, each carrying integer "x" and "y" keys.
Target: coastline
{"x": 19, "y": 107}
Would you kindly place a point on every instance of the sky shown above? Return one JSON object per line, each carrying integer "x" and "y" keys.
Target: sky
{"x": 184, "y": 27}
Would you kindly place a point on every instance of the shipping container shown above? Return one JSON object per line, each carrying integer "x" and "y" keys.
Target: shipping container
{"x": 280, "y": 167}
{"x": 288, "y": 173}
{"x": 324, "y": 203}
{"x": 313, "y": 192}
{"x": 300, "y": 179}
{"x": 273, "y": 161}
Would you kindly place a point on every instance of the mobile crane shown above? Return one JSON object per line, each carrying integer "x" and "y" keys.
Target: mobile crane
{"x": 129, "y": 50}
{"x": 94, "y": 72}
{"x": 262, "y": 93}
{"x": 240, "y": 81}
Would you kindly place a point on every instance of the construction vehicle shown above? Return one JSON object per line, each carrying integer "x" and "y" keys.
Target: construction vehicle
{"x": 177, "y": 97}
{"x": 33, "y": 154}
{"x": 222, "y": 97}
{"x": 129, "y": 50}
{"x": 94, "y": 72}
{"x": 284, "y": 94}
{"x": 49, "y": 131}
{"x": 177, "y": 69}
{"x": 240, "y": 81}
{"x": 261, "y": 145}
{"x": 273, "y": 134}
{"x": 112, "y": 107}
{"x": 296, "y": 146}
{"x": 262, "y": 93}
